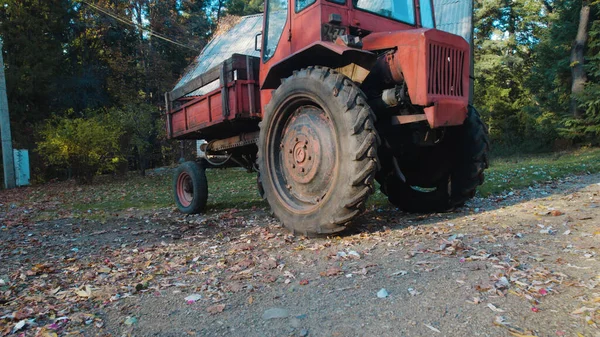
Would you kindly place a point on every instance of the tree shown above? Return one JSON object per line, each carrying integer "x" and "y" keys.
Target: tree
{"x": 586, "y": 126}
{"x": 244, "y": 7}
{"x": 578, "y": 74}
{"x": 138, "y": 122}
{"x": 550, "y": 76}
{"x": 35, "y": 33}
{"x": 505, "y": 34}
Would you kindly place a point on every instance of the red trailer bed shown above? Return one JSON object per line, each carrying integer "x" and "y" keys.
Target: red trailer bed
{"x": 231, "y": 108}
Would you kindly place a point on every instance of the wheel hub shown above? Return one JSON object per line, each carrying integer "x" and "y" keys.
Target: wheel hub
{"x": 307, "y": 154}
{"x": 185, "y": 189}
{"x": 300, "y": 154}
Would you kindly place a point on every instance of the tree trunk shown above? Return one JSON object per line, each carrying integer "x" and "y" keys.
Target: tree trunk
{"x": 577, "y": 52}
{"x": 143, "y": 165}
{"x": 219, "y": 12}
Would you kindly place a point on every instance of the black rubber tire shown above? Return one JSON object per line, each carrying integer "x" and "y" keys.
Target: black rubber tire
{"x": 190, "y": 187}
{"x": 350, "y": 168}
{"x": 459, "y": 185}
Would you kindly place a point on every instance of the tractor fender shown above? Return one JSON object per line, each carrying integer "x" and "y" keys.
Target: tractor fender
{"x": 320, "y": 53}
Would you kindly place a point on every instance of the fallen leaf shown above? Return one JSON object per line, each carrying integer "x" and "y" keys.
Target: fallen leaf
{"x": 19, "y": 325}
{"x": 519, "y": 335}
{"x": 513, "y": 330}
{"x": 476, "y": 300}
{"x": 333, "y": 271}
{"x": 432, "y": 328}
{"x": 494, "y": 308}
{"x": 45, "y": 333}
{"x": 130, "y": 320}
{"x": 193, "y": 298}
{"x": 482, "y": 289}
{"x": 86, "y": 292}
{"x": 582, "y": 310}
{"x": 215, "y": 309}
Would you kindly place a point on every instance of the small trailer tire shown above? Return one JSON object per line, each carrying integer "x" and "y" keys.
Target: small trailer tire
{"x": 190, "y": 188}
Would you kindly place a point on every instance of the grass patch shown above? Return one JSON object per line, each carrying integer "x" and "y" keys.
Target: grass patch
{"x": 227, "y": 188}
{"x": 134, "y": 191}
{"x": 235, "y": 188}
{"x": 516, "y": 172}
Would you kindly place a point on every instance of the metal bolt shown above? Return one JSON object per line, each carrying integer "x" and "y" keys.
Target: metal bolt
{"x": 297, "y": 139}
{"x": 309, "y": 158}
{"x": 291, "y": 151}
{"x": 289, "y": 187}
{"x": 306, "y": 142}
{"x": 293, "y": 165}
{"x": 303, "y": 169}
{"x": 304, "y": 147}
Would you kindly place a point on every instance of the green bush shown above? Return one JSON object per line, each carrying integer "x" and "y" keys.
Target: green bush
{"x": 142, "y": 128}
{"x": 86, "y": 146}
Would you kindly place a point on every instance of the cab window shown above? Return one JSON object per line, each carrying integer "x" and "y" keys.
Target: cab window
{"x": 400, "y": 10}
{"x": 427, "y": 14}
{"x": 301, "y": 4}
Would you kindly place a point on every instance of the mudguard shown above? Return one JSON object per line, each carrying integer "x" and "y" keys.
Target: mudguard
{"x": 320, "y": 53}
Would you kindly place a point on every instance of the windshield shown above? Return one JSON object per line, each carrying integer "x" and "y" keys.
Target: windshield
{"x": 401, "y": 10}
{"x": 276, "y": 18}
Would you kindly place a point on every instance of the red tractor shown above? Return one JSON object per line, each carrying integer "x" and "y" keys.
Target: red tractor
{"x": 344, "y": 93}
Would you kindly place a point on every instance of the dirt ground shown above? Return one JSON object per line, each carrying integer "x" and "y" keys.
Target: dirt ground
{"x": 520, "y": 264}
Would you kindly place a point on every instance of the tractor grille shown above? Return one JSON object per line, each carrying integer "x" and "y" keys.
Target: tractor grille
{"x": 446, "y": 66}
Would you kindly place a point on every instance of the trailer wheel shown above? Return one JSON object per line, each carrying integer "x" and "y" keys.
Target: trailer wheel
{"x": 190, "y": 187}
{"x": 454, "y": 189}
{"x": 317, "y": 151}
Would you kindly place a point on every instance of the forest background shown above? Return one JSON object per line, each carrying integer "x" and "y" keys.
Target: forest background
{"x": 85, "y": 79}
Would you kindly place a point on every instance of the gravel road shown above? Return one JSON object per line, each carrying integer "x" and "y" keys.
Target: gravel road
{"x": 520, "y": 264}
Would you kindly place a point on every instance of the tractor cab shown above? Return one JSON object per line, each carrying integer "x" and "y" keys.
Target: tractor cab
{"x": 296, "y": 21}
{"x": 396, "y": 39}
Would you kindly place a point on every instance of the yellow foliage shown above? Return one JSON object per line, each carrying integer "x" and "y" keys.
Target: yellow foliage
{"x": 86, "y": 145}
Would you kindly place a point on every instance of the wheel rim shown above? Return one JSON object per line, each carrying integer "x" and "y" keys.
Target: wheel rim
{"x": 302, "y": 154}
{"x": 185, "y": 189}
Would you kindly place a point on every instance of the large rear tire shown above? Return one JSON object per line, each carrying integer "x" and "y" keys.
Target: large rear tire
{"x": 190, "y": 187}
{"x": 456, "y": 187}
{"x": 317, "y": 151}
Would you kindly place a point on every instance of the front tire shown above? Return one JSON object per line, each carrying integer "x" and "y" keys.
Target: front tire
{"x": 190, "y": 187}
{"x": 317, "y": 151}
{"x": 470, "y": 152}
